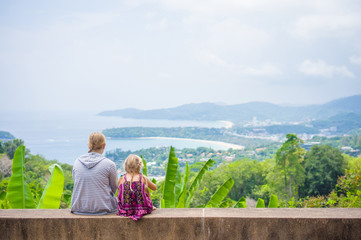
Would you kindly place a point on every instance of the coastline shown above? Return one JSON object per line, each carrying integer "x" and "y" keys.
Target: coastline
{"x": 227, "y": 145}
{"x": 228, "y": 124}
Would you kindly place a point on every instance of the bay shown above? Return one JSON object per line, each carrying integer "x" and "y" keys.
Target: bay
{"x": 64, "y": 135}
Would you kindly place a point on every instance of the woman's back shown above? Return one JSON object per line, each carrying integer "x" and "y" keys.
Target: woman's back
{"x": 95, "y": 179}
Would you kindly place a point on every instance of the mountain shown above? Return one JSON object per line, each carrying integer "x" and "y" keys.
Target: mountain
{"x": 6, "y": 135}
{"x": 244, "y": 112}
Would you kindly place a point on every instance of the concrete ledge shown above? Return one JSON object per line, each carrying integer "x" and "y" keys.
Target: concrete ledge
{"x": 185, "y": 224}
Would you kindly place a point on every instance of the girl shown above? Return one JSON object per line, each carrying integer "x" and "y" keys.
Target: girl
{"x": 133, "y": 196}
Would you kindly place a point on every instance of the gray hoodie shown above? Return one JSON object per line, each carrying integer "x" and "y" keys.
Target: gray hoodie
{"x": 95, "y": 184}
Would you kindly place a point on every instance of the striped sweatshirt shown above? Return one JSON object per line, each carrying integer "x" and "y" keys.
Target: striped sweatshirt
{"x": 95, "y": 184}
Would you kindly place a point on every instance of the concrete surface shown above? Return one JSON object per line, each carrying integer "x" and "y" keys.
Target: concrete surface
{"x": 186, "y": 224}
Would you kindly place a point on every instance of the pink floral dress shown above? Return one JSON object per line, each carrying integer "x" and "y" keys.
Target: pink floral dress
{"x": 133, "y": 201}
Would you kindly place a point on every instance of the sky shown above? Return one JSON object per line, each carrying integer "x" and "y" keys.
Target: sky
{"x": 106, "y": 55}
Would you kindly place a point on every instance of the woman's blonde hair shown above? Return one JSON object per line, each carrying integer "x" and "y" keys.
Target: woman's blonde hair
{"x": 96, "y": 141}
{"x": 133, "y": 164}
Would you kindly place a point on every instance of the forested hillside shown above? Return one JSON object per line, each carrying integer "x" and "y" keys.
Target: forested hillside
{"x": 245, "y": 112}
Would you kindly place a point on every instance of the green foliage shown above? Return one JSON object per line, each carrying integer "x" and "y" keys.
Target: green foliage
{"x": 247, "y": 175}
{"x": 18, "y": 191}
{"x": 260, "y": 203}
{"x": 53, "y": 191}
{"x": 175, "y": 191}
{"x": 9, "y": 147}
{"x": 220, "y": 194}
{"x": 323, "y": 165}
{"x": 145, "y": 169}
{"x": 289, "y": 160}
{"x": 170, "y": 180}
{"x": 196, "y": 181}
{"x": 241, "y": 203}
{"x": 344, "y": 123}
{"x": 273, "y": 203}
{"x": 293, "y": 203}
{"x": 184, "y": 191}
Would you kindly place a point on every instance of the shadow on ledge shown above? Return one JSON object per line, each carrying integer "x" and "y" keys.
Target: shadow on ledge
{"x": 216, "y": 223}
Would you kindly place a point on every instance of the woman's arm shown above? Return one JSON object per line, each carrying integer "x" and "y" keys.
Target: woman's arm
{"x": 113, "y": 176}
{"x": 120, "y": 180}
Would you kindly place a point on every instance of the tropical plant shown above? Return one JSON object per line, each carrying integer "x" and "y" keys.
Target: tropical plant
{"x": 145, "y": 169}
{"x": 217, "y": 198}
{"x": 273, "y": 203}
{"x": 260, "y": 203}
{"x": 241, "y": 203}
{"x": 53, "y": 190}
{"x": 169, "y": 197}
{"x": 18, "y": 194}
{"x": 176, "y": 192}
{"x": 18, "y": 191}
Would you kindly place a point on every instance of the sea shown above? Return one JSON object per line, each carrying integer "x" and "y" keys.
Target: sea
{"x": 63, "y": 136}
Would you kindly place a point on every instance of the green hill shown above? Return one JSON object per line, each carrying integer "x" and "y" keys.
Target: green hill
{"x": 244, "y": 112}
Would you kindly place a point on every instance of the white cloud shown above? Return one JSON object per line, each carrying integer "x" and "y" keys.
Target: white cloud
{"x": 265, "y": 70}
{"x": 212, "y": 59}
{"x": 355, "y": 60}
{"x": 157, "y": 25}
{"x": 164, "y": 75}
{"x": 84, "y": 21}
{"x": 320, "y": 68}
{"x": 326, "y": 25}
{"x": 233, "y": 36}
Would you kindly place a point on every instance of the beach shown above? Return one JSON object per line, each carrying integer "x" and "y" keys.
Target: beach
{"x": 226, "y": 145}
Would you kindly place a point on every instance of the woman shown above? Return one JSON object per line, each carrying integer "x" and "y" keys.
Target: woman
{"x": 95, "y": 180}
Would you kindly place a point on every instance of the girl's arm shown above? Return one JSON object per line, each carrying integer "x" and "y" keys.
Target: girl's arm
{"x": 151, "y": 185}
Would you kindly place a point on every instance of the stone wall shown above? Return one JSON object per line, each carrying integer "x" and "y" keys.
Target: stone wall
{"x": 185, "y": 224}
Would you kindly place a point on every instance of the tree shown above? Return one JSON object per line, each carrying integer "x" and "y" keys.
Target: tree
{"x": 9, "y": 147}
{"x": 289, "y": 160}
{"x": 323, "y": 165}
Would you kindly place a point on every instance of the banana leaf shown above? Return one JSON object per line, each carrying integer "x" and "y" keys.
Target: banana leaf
{"x": 273, "y": 202}
{"x": 170, "y": 180}
{"x": 18, "y": 191}
{"x": 200, "y": 206}
{"x": 260, "y": 203}
{"x": 220, "y": 194}
{"x": 183, "y": 193}
{"x": 197, "y": 180}
{"x": 241, "y": 203}
{"x": 53, "y": 190}
{"x": 145, "y": 169}
{"x": 2, "y": 195}
{"x": 224, "y": 204}
{"x": 182, "y": 199}
{"x": 162, "y": 205}
{"x": 177, "y": 187}
{"x": 185, "y": 177}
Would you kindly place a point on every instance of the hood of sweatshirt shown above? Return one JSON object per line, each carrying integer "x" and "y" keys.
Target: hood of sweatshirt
{"x": 91, "y": 159}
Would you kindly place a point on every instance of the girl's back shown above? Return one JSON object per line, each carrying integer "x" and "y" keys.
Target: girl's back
{"x": 133, "y": 197}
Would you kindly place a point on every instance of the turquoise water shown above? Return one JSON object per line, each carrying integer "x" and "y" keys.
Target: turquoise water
{"x": 63, "y": 135}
